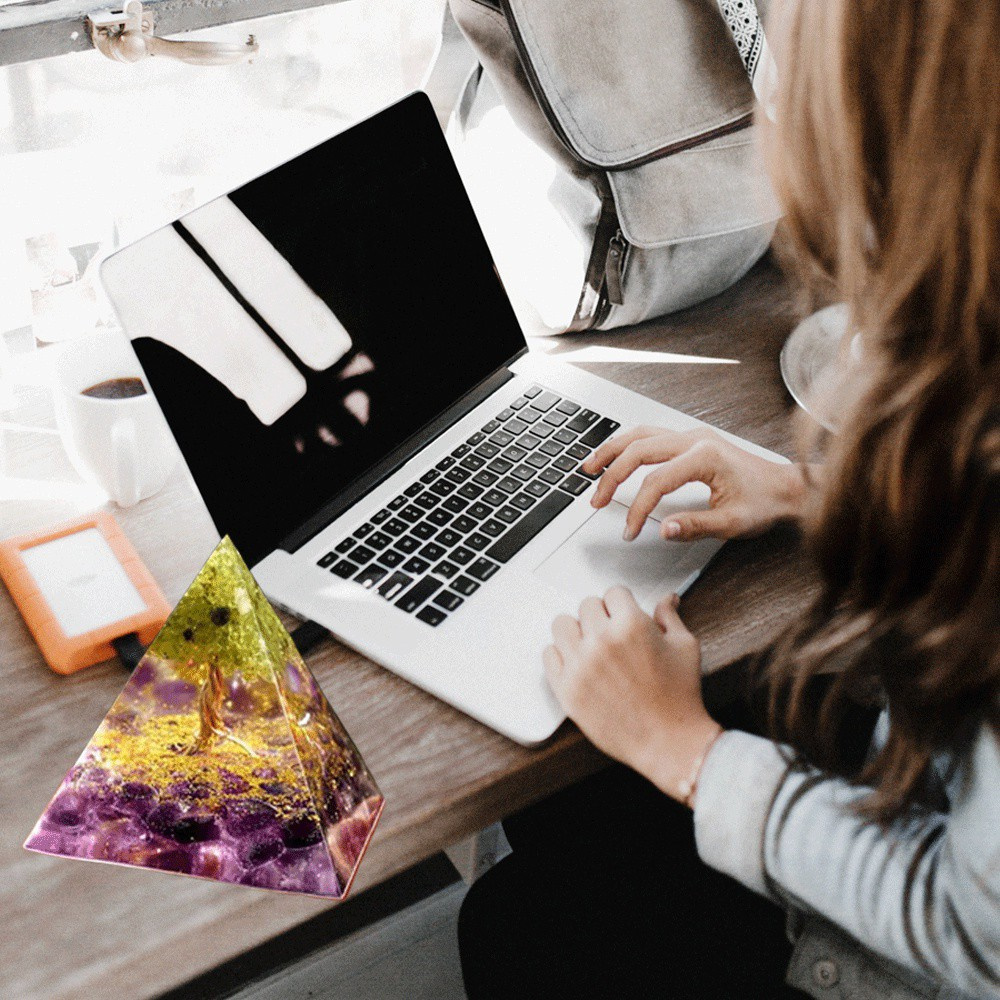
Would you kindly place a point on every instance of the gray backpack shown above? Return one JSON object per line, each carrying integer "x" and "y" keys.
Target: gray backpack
{"x": 608, "y": 148}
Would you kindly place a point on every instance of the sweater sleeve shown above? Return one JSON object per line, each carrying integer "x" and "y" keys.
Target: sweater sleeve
{"x": 925, "y": 893}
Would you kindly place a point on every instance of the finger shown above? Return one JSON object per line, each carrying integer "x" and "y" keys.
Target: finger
{"x": 593, "y": 614}
{"x": 620, "y": 602}
{"x": 554, "y": 666}
{"x": 688, "y": 467}
{"x": 614, "y": 446}
{"x": 647, "y": 451}
{"x": 666, "y": 614}
{"x": 566, "y": 635}
{"x": 689, "y": 526}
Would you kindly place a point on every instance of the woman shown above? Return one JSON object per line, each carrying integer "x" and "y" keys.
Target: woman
{"x": 886, "y": 155}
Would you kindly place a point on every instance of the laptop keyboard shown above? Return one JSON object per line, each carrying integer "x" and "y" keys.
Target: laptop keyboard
{"x": 452, "y": 529}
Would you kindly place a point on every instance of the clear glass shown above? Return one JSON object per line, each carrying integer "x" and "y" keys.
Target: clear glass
{"x": 94, "y": 154}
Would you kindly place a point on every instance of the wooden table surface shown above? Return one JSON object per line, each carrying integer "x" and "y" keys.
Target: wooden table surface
{"x": 72, "y": 929}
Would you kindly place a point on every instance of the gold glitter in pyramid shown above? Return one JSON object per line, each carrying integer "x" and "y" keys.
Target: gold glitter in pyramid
{"x": 221, "y": 757}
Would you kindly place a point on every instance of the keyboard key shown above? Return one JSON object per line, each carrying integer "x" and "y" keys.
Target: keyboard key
{"x": 487, "y": 450}
{"x": 564, "y": 436}
{"x": 378, "y": 540}
{"x": 344, "y": 569}
{"x": 470, "y": 491}
{"x": 362, "y": 554}
{"x": 529, "y": 526}
{"x": 508, "y": 515}
{"x": 328, "y": 560}
{"x": 380, "y": 516}
{"x": 494, "y": 498}
{"x": 518, "y": 403}
{"x": 465, "y": 586}
{"x": 509, "y": 484}
{"x": 514, "y": 453}
{"x": 448, "y": 600}
{"x": 529, "y": 441}
{"x": 455, "y": 504}
{"x": 364, "y": 531}
{"x": 461, "y": 451}
{"x": 502, "y": 438}
{"x": 431, "y": 616}
{"x": 439, "y": 517}
{"x": 423, "y": 531}
{"x": 464, "y": 524}
{"x": 505, "y": 414}
{"x": 395, "y": 585}
{"x": 418, "y": 593}
{"x": 446, "y": 569}
{"x": 411, "y": 514}
{"x": 533, "y": 391}
{"x": 479, "y": 511}
{"x": 578, "y": 452}
{"x": 448, "y": 538}
{"x": 523, "y": 502}
{"x": 482, "y": 569}
{"x": 568, "y": 407}
{"x": 493, "y": 528}
{"x": 582, "y": 421}
{"x": 477, "y": 438}
{"x": 446, "y": 463}
{"x": 485, "y": 478}
{"x": 462, "y": 556}
{"x": 523, "y": 472}
{"x": 550, "y": 448}
{"x": 499, "y": 465}
{"x": 458, "y": 475}
{"x": 545, "y": 401}
{"x": 416, "y": 565}
{"x": 587, "y": 475}
{"x": 443, "y": 487}
{"x": 517, "y": 426}
{"x": 575, "y": 485}
{"x": 432, "y": 551}
{"x": 394, "y": 527}
{"x": 541, "y": 430}
{"x": 473, "y": 462}
{"x": 537, "y": 489}
{"x": 539, "y": 460}
{"x": 604, "y": 429}
{"x": 550, "y": 476}
{"x": 529, "y": 415}
{"x": 555, "y": 418}
{"x": 478, "y": 541}
{"x": 564, "y": 464}
{"x": 344, "y": 546}
{"x": 412, "y": 490}
{"x": 490, "y": 426}
{"x": 391, "y": 557}
{"x": 408, "y": 544}
{"x": 429, "y": 477}
{"x": 427, "y": 500}
{"x": 371, "y": 575}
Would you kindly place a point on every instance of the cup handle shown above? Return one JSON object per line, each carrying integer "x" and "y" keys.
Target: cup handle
{"x": 124, "y": 452}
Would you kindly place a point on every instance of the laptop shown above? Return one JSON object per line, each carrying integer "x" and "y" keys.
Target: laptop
{"x": 335, "y": 354}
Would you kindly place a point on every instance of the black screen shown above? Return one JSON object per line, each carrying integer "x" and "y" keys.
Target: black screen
{"x": 377, "y": 223}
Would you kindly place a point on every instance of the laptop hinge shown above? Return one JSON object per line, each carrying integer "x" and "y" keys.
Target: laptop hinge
{"x": 364, "y": 484}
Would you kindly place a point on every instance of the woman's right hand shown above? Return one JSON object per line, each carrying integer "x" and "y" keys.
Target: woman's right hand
{"x": 749, "y": 494}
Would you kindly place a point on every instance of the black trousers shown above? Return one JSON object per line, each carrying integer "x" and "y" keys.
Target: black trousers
{"x": 605, "y": 896}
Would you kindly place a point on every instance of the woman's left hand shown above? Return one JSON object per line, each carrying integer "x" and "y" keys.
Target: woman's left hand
{"x": 632, "y": 683}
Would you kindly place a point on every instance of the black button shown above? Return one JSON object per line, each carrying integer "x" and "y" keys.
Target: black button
{"x": 477, "y": 541}
{"x": 470, "y": 491}
{"x": 575, "y": 485}
{"x": 431, "y": 616}
{"x": 514, "y": 453}
{"x": 493, "y": 528}
{"x": 529, "y": 441}
{"x": 442, "y": 487}
{"x": 499, "y": 465}
{"x": 448, "y": 537}
{"x": 533, "y": 391}
{"x": 462, "y": 555}
{"x": 508, "y": 515}
{"x": 523, "y": 501}
{"x": 545, "y": 401}
{"x": 428, "y": 500}
{"x": 529, "y": 415}
{"x": 394, "y": 526}
{"x": 490, "y": 426}
{"x": 482, "y": 569}
{"x": 550, "y": 448}
{"x": 578, "y": 452}
{"x": 423, "y": 531}
{"x": 517, "y": 426}
{"x": 556, "y": 419}
{"x": 564, "y": 464}
{"x": 391, "y": 557}
{"x": 479, "y": 511}
{"x": 485, "y": 478}
{"x": 378, "y": 541}
{"x": 363, "y": 531}
{"x": 408, "y": 544}
{"x": 550, "y": 476}
{"x": 370, "y": 575}
{"x": 432, "y": 551}
{"x": 413, "y": 490}
{"x": 538, "y": 460}
{"x": 446, "y": 569}
{"x": 564, "y": 436}
{"x": 429, "y": 477}
{"x": 330, "y": 558}
{"x": 494, "y": 498}
{"x": 505, "y": 414}
{"x": 455, "y": 504}
{"x": 417, "y": 594}
{"x": 448, "y": 600}
{"x": 541, "y": 430}
{"x": 465, "y": 586}
{"x": 537, "y": 489}
{"x": 458, "y": 475}
{"x": 439, "y": 517}
{"x": 477, "y": 438}
{"x": 464, "y": 524}
{"x": 344, "y": 569}
{"x": 380, "y": 516}
{"x": 487, "y": 450}
{"x": 397, "y": 503}
{"x": 461, "y": 451}
{"x": 412, "y": 513}
{"x": 395, "y": 585}
{"x": 502, "y": 438}
{"x": 473, "y": 462}
{"x": 362, "y": 554}
{"x": 568, "y": 407}
{"x": 416, "y": 565}
{"x": 446, "y": 463}
{"x": 582, "y": 421}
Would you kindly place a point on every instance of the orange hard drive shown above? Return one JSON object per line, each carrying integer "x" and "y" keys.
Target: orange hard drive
{"x": 79, "y": 586}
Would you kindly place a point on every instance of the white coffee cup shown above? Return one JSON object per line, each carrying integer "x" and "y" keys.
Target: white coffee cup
{"x": 121, "y": 445}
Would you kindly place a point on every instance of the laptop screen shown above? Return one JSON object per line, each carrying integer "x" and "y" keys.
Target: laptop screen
{"x": 299, "y": 330}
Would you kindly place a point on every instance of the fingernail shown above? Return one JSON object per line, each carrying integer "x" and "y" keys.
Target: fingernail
{"x": 671, "y": 529}
{"x": 629, "y": 533}
{"x": 675, "y": 600}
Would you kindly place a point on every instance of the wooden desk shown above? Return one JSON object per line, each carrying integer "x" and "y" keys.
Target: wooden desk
{"x": 73, "y": 929}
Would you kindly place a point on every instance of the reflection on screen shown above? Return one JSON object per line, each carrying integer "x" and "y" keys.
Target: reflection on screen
{"x": 305, "y": 326}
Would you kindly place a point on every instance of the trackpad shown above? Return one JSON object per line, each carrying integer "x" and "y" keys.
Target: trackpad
{"x": 596, "y": 557}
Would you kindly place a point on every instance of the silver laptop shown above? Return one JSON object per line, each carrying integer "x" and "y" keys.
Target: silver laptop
{"x": 346, "y": 380}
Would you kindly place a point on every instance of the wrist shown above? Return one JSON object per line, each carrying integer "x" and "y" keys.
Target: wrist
{"x": 791, "y": 493}
{"x": 673, "y": 761}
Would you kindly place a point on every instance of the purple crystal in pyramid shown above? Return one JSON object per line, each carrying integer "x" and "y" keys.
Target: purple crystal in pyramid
{"x": 221, "y": 758}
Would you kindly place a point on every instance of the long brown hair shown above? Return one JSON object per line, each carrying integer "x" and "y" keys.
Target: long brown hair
{"x": 886, "y": 156}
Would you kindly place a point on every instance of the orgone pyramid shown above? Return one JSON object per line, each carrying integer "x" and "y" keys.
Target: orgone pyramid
{"x": 221, "y": 758}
